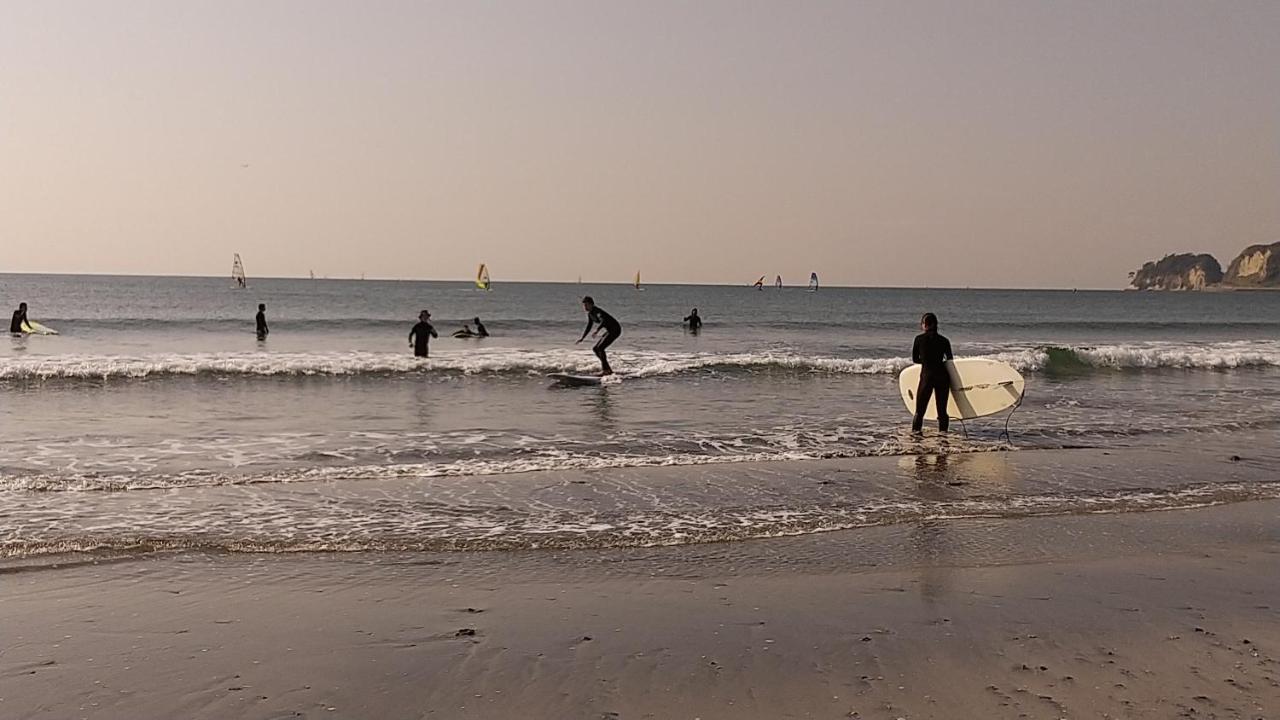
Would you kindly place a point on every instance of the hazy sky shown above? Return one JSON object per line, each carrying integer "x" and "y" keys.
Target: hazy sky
{"x": 880, "y": 143}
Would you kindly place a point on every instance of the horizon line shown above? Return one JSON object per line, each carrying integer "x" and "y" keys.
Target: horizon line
{"x": 583, "y": 282}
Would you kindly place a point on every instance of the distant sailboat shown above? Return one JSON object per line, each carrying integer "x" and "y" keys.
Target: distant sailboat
{"x": 482, "y": 278}
{"x": 813, "y": 282}
{"x": 777, "y": 282}
{"x": 313, "y": 274}
{"x": 237, "y": 274}
{"x": 759, "y": 284}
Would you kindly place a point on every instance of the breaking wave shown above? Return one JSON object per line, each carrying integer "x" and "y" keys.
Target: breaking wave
{"x": 1145, "y": 356}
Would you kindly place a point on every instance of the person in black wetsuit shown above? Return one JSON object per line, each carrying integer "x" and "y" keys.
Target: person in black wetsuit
{"x": 605, "y": 321}
{"x": 261, "y": 320}
{"x": 421, "y": 334}
{"x": 931, "y": 351}
{"x": 480, "y": 331}
{"x": 692, "y": 321}
{"x": 19, "y": 319}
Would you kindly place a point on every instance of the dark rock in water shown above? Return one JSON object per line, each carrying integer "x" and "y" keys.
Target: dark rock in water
{"x": 465, "y": 632}
{"x": 1256, "y": 266}
{"x": 1186, "y": 271}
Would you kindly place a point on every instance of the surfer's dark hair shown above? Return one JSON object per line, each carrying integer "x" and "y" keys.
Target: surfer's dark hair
{"x": 930, "y": 321}
{"x": 588, "y": 299}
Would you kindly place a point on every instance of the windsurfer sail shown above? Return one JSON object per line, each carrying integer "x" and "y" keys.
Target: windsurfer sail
{"x": 759, "y": 284}
{"x": 482, "y": 278}
{"x": 237, "y": 273}
{"x": 637, "y": 281}
{"x": 777, "y": 282}
{"x": 813, "y": 282}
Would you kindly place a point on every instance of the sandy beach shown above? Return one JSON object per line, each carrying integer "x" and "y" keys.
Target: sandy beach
{"x": 1137, "y": 615}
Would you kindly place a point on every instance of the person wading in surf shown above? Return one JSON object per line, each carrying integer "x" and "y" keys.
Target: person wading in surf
{"x": 19, "y": 319}
{"x": 605, "y": 321}
{"x": 693, "y": 321}
{"x": 421, "y": 334}
{"x": 931, "y": 351}
{"x": 261, "y": 320}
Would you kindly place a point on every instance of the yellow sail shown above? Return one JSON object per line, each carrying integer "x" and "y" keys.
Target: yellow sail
{"x": 482, "y": 278}
{"x": 637, "y": 279}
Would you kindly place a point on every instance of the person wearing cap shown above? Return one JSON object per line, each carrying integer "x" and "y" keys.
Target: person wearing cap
{"x": 421, "y": 334}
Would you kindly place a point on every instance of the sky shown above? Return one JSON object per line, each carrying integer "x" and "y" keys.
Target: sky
{"x": 973, "y": 143}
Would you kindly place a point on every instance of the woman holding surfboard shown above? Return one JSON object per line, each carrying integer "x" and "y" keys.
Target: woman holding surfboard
{"x": 931, "y": 351}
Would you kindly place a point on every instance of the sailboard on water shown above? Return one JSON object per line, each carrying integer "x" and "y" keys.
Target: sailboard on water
{"x": 777, "y": 282}
{"x": 813, "y": 282}
{"x": 482, "y": 278}
{"x": 237, "y": 274}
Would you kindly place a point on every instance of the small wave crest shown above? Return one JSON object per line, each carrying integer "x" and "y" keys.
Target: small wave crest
{"x": 401, "y": 525}
{"x": 1211, "y": 356}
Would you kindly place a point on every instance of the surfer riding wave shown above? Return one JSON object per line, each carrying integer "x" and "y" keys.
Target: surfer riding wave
{"x": 601, "y": 320}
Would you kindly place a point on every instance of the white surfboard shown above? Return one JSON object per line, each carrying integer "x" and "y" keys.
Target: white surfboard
{"x": 35, "y": 328}
{"x": 978, "y": 388}
{"x": 575, "y": 380}
{"x": 579, "y": 380}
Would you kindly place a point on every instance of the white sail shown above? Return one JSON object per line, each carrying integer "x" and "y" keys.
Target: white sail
{"x": 237, "y": 273}
{"x": 813, "y": 282}
{"x": 777, "y": 282}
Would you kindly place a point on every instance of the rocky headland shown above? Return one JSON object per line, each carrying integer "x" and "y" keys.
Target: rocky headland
{"x": 1257, "y": 266}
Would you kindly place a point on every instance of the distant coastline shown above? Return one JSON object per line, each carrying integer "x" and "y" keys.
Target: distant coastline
{"x": 1257, "y": 267}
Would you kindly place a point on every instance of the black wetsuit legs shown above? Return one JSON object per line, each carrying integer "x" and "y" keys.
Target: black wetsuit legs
{"x": 600, "y": 347}
{"x": 939, "y": 386}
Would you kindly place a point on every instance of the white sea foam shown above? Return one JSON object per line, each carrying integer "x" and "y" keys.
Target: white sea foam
{"x": 1209, "y": 356}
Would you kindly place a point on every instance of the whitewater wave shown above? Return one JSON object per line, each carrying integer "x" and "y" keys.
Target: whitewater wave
{"x": 1211, "y": 356}
{"x": 546, "y": 461}
{"x": 408, "y": 525}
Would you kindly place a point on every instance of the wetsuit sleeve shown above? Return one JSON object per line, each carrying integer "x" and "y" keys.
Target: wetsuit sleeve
{"x": 432, "y": 329}
{"x": 591, "y": 320}
{"x": 915, "y": 351}
{"x": 947, "y": 351}
{"x": 413, "y": 331}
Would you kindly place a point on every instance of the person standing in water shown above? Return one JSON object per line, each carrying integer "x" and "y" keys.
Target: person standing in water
{"x": 692, "y": 321}
{"x": 931, "y": 351}
{"x": 604, "y": 321}
{"x": 480, "y": 331}
{"x": 261, "y": 320}
{"x": 421, "y": 334}
{"x": 19, "y": 319}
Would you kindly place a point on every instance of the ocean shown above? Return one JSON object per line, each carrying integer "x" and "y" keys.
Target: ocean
{"x": 157, "y": 420}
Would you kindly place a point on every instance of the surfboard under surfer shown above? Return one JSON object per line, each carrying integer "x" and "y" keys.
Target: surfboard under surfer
{"x": 601, "y": 320}
{"x": 931, "y": 351}
{"x": 421, "y": 334}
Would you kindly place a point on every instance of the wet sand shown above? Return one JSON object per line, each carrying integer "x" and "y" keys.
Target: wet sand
{"x": 1136, "y": 615}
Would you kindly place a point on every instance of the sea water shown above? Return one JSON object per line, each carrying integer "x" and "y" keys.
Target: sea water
{"x": 157, "y": 418}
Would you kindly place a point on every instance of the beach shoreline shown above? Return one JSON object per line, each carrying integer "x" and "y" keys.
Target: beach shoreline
{"x": 1165, "y": 614}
